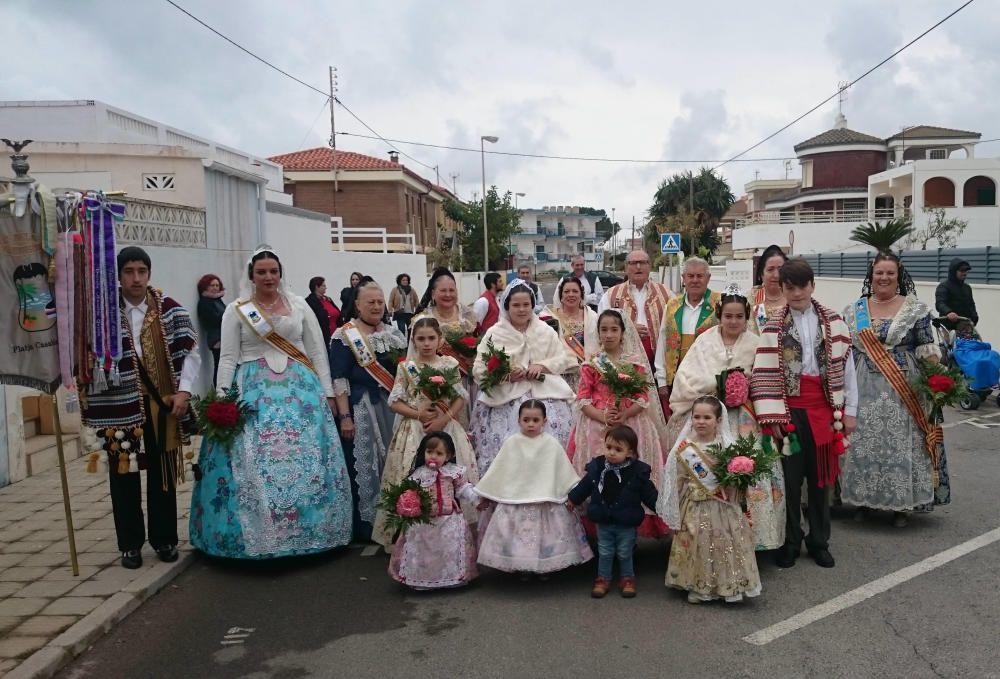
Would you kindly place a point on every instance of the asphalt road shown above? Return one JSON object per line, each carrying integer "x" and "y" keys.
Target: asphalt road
{"x": 339, "y": 615}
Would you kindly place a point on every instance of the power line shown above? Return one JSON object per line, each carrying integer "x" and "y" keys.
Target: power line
{"x": 848, "y": 86}
{"x": 315, "y": 120}
{"x": 292, "y": 77}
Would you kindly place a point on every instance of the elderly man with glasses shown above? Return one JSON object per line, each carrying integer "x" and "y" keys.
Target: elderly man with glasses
{"x": 641, "y": 298}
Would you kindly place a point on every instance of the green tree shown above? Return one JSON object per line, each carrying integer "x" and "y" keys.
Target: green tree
{"x": 698, "y": 201}
{"x": 939, "y": 228}
{"x": 502, "y": 222}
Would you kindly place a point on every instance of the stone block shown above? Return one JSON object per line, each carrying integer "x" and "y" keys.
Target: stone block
{"x": 20, "y": 647}
{"x": 50, "y": 559}
{"x": 24, "y": 573}
{"x": 25, "y": 547}
{"x": 8, "y": 559}
{"x": 44, "y": 625}
{"x": 9, "y": 622}
{"x": 43, "y": 663}
{"x": 50, "y": 589}
{"x": 73, "y": 605}
{"x": 66, "y": 573}
{"x": 19, "y": 607}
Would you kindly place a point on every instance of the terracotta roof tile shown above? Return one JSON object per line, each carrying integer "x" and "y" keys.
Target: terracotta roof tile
{"x": 321, "y": 158}
{"x": 836, "y": 137}
{"x": 933, "y": 132}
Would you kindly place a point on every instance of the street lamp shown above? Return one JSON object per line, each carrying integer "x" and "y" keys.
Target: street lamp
{"x": 482, "y": 153}
{"x": 510, "y": 254}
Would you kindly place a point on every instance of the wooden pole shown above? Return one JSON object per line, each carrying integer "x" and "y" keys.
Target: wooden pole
{"x": 57, "y": 426}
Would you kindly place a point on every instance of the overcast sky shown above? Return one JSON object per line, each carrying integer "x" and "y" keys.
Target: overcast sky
{"x": 665, "y": 80}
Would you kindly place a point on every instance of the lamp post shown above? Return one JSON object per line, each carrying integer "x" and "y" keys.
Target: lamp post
{"x": 510, "y": 254}
{"x": 482, "y": 153}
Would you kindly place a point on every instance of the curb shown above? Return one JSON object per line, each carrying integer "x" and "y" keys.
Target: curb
{"x": 59, "y": 652}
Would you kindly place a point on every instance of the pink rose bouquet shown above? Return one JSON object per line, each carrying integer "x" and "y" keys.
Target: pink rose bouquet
{"x": 406, "y": 503}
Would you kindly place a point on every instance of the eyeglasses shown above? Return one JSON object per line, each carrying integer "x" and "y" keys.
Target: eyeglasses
{"x": 639, "y": 263}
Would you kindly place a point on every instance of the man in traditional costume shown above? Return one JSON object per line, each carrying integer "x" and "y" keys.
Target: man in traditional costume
{"x": 524, "y": 273}
{"x": 804, "y": 387}
{"x": 641, "y": 298}
{"x": 143, "y": 416}
{"x": 685, "y": 317}
{"x": 592, "y": 288}
{"x": 486, "y": 308}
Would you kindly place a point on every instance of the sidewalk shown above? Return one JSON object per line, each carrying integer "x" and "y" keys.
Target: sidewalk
{"x": 48, "y": 616}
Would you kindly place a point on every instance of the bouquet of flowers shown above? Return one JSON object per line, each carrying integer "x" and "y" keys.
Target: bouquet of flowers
{"x": 407, "y": 504}
{"x": 498, "y": 367}
{"x": 438, "y": 385}
{"x": 462, "y": 343}
{"x": 743, "y": 463}
{"x": 733, "y": 387}
{"x": 390, "y": 358}
{"x": 221, "y": 417}
{"x": 624, "y": 381}
{"x": 941, "y": 385}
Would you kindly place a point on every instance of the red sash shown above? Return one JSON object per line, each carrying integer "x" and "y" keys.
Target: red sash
{"x": 812, "y": 399}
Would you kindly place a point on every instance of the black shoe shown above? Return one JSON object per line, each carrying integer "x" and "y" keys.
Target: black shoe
{"x": 167, "y": 554}
{"x": 822, "y": 557}
{"x": 132, "y": 559}
{"x": 786, "y": 556}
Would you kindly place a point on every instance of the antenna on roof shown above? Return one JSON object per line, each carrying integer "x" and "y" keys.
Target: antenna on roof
{"x": 841, "y": 122}
{"x": 788, "y": 168}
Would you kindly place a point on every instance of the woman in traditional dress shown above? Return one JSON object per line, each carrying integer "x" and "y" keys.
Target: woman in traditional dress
{"x": 575, "y": 322}
{"x": 538, "y": 358}
{"x": 730, "y": 346}
{"x": 767, "y": 295}
{"x": 364, "y": 355}
{"x": 888, "y": 464}
{"x": 281, "y": 488}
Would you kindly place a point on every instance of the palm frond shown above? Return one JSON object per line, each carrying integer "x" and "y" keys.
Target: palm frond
{"x": 882, "y": 236}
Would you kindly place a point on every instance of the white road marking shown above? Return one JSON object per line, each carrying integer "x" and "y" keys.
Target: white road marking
{"x": 370, "y": 550}
{"x": 867, "y": 591}
{"x": 974, "y": 421}
{"x": 236, "y": 635}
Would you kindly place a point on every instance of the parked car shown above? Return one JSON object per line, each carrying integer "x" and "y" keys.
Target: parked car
{"x": 608, "y": 279}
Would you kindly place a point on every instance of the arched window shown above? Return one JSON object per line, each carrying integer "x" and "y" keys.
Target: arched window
{"x": 979, "y": 191}
{"x": 939, "y": 192}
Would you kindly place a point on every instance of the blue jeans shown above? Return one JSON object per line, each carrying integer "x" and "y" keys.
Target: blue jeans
{"x": 614, "y": 540}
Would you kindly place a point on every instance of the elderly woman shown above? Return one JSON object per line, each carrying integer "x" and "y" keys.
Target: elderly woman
{"x": 364, "y": 354}
{"x": 889, "y": 464}
{"x": 403, "y": 302}
{"x": 210, "y": 311}
{"x": 730, "y": 346}
{"x": 575, "y": 322}
{"x": 280, "y": 488}
{"x": 539, "y": 360}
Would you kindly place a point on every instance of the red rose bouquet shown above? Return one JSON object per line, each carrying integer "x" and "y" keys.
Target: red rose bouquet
{"x": 462, "y": 343}
{"x": 498, "y": 367}
{"x": 221, "y": 417}
{"x": 406, "y": 503}
{"x": 941, "y": 386}
{"x": 625, "y": 382}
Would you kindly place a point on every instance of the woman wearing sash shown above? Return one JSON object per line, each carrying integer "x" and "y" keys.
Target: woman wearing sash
{"x": 767, "y": 295}
{"x": 538, "y": 360}
{"x": 889, "y": 464}
{"x": 730, "y": 346}
{"x": 281, "y": 488}
{"x": 364, "y": 355}
{"x": 575, "y": 322}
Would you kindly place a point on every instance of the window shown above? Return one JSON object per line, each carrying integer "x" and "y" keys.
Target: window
{"x": 538, "y": 223}
{"x": 937, "y": 154}
{"x": 807, "y": 174}
{"x": 939, "y": 192}
{"x": 979, "y": 191}
{"x": 158, "y": 182}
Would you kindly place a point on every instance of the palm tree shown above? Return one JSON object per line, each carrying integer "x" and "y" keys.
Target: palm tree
{"x": 882, "y": 237}
{"x": 711, "y": 198}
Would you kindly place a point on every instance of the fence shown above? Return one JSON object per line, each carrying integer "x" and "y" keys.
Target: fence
{"x": 922, "y": 265}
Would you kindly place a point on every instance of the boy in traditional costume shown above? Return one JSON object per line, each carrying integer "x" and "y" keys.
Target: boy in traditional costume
{"x": 143, "y": 416}
{"x": 804, "y": 387}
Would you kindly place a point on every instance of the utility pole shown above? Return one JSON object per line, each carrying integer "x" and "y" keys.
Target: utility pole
{"x": 333, "y": 131}
{"x": 437, "y": 175}
{"x": 454, "y": 183}
{"x": 633, "y": 232}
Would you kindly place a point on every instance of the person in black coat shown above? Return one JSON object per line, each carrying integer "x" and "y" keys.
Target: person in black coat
{"x": 347, "y": 296}
{"x": 210, "y": 310}
{"x": 953, "y": 297}
{"x": 618, "y": 485}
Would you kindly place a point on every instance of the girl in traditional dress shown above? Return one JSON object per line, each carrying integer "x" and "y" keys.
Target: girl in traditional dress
{"x": 418, "y": 416}
{"x": 281, "y": 488}
{"x": 767, "y": 295}
{"x": 441, "y": 553}
{"x": 712, "y": 555}
{"x": 731, "y": 346}
{"x": 530, "y": 529}
{"x": 575, "y": 322}
{"x": 539, "y": 359}
{"x": 597, "y": 410}
{"x": 364, "y": 355}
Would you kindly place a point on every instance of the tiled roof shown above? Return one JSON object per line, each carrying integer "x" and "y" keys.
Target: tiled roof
{"x": 321, "y": 158}
{"x": 819, "y": 193}
{"x": 933, "y": 132}
{"x": 838, "y": 136}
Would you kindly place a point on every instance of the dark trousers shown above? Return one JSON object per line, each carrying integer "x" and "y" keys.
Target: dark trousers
{"x": 126, "y": 501}
{"x": 216, "y": 351}
{"x": 797, "y": 467}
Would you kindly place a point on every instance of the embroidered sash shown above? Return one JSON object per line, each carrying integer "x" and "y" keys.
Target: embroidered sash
{"x": 701, "y": 471}
{"x": 933, "y": 434}
{"x": 365, "y": 356}
{"x": 255, "y": 319}
{"x": 574, "y": 345}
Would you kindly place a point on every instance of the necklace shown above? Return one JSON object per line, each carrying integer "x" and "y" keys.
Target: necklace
{"x": 268, "y": 307}
{"x": 887, "y": 301}
{"x": 730, "y": 347}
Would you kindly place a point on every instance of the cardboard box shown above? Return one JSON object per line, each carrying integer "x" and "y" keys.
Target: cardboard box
{"x": 45, "y": 421}
{"x": 29, "y": 408}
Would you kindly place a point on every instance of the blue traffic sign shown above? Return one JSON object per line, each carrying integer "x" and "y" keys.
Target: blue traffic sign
{"x": 670, "y": 243}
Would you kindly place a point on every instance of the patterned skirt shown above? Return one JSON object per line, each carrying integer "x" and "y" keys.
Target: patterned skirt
{"x": 282, "y": 487}
{"x": 437, "y": 554}
{"x": 539, "y": 538}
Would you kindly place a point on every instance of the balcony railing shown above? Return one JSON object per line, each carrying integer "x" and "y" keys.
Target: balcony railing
{"x": 821, "y": 216}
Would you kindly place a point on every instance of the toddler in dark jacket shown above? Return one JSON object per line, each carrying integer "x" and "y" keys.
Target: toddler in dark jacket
{"x": 618, "y": 485}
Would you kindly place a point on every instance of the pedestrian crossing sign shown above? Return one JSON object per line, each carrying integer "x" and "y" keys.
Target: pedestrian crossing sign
{"x": 670, "y": 243}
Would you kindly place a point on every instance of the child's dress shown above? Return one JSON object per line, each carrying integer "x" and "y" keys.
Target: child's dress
{"x": 587, "y": 439}
{"x": 409, "y": 432}
{"x": 441, "y": 553}
{"x": 530, "y": 528}
{"x": 712, "y": 554}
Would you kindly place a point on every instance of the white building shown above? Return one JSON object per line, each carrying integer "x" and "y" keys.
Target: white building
{"x": 551, "y": 236}
{"x": 850, "y": 178}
